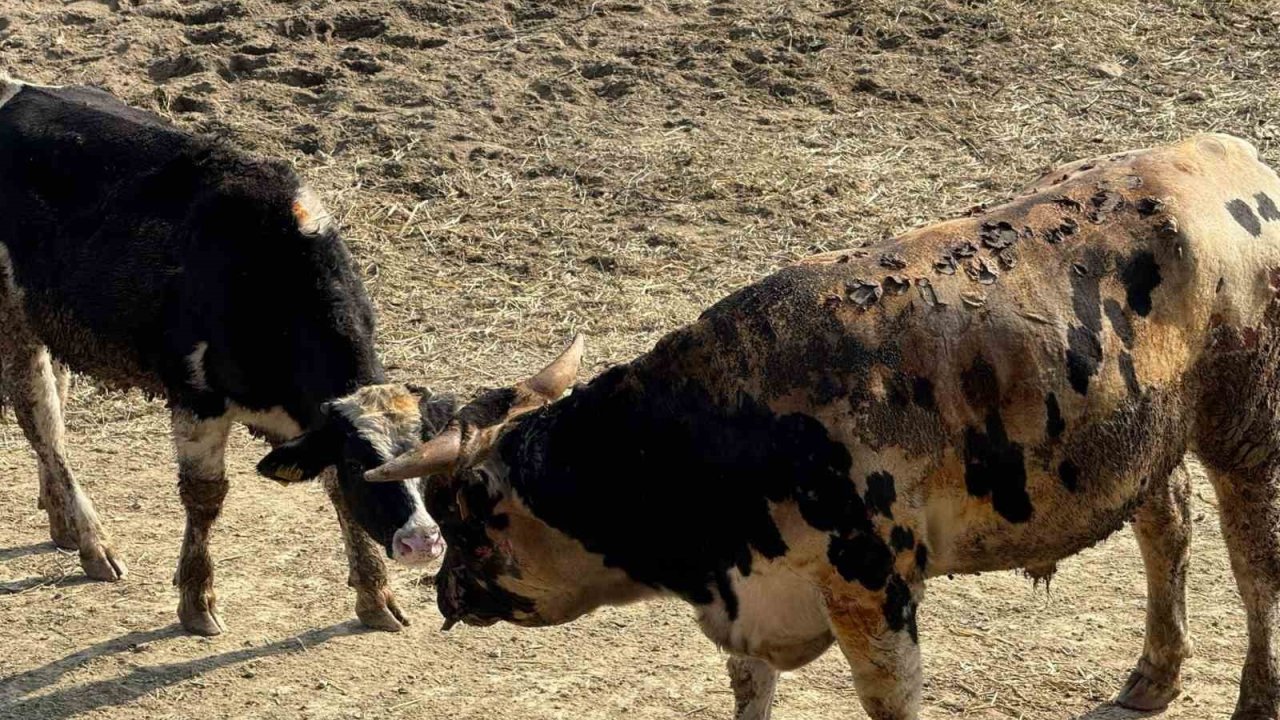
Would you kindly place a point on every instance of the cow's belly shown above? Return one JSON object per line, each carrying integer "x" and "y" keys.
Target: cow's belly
{"x": 780, "y": 617}
{"x": 1113, "y": 462}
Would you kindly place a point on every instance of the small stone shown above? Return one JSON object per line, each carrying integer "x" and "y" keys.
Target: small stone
{"x": 1109, "y": 69}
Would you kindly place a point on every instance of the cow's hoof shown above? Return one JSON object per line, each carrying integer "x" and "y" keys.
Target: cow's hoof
{"x": 201, "y": 622}
{"x": 100, "y": 563}
{"x": 1143, "y": 694}
{"x": 378, "y": 610}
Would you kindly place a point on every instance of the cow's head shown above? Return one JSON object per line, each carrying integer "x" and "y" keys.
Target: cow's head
{"x": 362, "y": 431}
{"x": 503, "y": 562}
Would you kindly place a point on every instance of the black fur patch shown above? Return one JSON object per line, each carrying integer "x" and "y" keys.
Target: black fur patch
{"x": 922, "y": 393}
{"x": 1267, "y": 207}
{"x": 1130, "y": 374}
{"x": 1069, "y": 474}
{"x": 136, "y": 241}
{"x": 981, "y": 387}
{"x": 1120, "y": 324}
{"x": 1086, "y": 296}
{"x": 922, "y": 557}
{"x": 994, "y": 467}
{"x": 1084, "y": 355}
{"x": 881, "y": 493}
{"x": 902, "y": 539}
{"x": 1244, "y": 215}
{"x": 900, "y": 608}
{"x": 1084, "y": 345}
{"x": 720, "y": 465}
{"x": 1140, "y": 275}
{"x": 1053, "y": 424}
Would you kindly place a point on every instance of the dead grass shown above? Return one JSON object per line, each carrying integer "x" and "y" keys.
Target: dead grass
{"x": 510, "y": 173}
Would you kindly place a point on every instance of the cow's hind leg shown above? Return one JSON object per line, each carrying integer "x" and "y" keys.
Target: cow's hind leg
{"x": 202, "y": 485}
{"x": 1237, "y": 436}
{"x": 754, "y": 682}
{"x": 62, "y": 532}
{"x": 1162, "y": 525}
{"x": 367, "y": 572}
{"x": 32, "y": 388}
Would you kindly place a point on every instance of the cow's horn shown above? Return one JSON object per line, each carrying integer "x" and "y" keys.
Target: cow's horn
{"x": 554, "y": 379}
{"x": 437, "y": 455}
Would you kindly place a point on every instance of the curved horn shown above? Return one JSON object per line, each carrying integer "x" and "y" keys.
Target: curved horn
{"x": 437, "y": 455}
{"x": 554, "y": 379}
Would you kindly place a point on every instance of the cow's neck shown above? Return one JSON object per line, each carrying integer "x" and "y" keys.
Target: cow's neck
{"x": 667, "y": 481}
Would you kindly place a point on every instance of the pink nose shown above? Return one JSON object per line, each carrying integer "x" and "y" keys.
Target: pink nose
{"x": 420, "y": 544}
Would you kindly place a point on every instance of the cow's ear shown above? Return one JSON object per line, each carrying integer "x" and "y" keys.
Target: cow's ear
{"x": 302, "y": 458}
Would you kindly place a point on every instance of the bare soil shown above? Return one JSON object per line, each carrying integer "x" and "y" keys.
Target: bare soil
{"x": 508, "y": 173}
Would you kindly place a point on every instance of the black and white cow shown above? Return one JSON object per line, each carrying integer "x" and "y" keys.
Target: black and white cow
{"x": 997, "y": 391}
{"x": 150, "y": 258}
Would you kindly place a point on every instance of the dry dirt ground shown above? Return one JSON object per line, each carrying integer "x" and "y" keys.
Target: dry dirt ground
{"x": 510, "y": 172}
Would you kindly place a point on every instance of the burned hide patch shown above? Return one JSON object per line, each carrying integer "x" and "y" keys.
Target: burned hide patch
{"x": 997, "y": 235}
{"x": 1103, "y": 204}
{"x": 1141, "y": 276}
{"x": 994, "y": 467}
{"x": 892, "y": 261}
{"x": 1054, "y": 425}
{"x": 1245, "y": 217}
{"x": 900, "y": 608}
{"x": 881, "y": 493}
{"x": 1149, "y": 206}
{"x": 1062, "y": 231}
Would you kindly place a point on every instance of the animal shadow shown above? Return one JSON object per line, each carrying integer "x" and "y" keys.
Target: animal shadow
{"x": 16, "y": 690}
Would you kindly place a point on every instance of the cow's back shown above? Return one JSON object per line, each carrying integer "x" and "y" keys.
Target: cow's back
{"x": 1021, "y": 371}
{"x": 150, "y": 257}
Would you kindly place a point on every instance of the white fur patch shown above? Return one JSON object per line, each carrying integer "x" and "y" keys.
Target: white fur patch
{"x": 201, "y": 444}
{"x": 11, "y": 86}
{"x": 274, "y": 422}
{"x": 195, "y": 366}
{"x": 313, "y": 218}
{"x": 781, "y": 617}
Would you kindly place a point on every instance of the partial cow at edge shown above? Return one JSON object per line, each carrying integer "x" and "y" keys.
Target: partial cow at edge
{"x": 150, "y": 258}
{"x": 998, "y": 391}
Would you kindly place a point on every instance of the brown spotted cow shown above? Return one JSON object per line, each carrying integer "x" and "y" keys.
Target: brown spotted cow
{"x": 998, "y": 391}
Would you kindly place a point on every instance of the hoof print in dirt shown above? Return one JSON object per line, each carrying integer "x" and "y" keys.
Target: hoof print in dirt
{"x": 361, "y": 61}
{"x": 614, "y": 89}
{"x": 175, "y": 66}
{"x": 211, "y": 35}
{"x": 205, "y": 13}
{"x": 352, "y": 26}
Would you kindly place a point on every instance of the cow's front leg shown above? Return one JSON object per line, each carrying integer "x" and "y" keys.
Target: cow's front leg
{"x": 367, "y": 572}
{"x": 876, "y": 629}
{"x": 1163, "y": 528}
{"x": 202, "y": 483}
{"x": 754, "y": 682}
